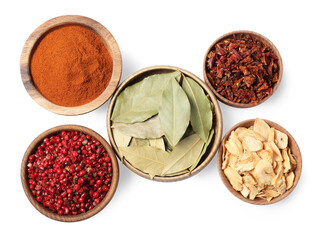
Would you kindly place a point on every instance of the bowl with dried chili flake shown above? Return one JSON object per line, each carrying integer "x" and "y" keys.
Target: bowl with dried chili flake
{"x": 243, "y": 68}
{"x": 69, "y": 173}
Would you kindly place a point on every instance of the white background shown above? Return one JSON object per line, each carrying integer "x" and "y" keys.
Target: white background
{"x": 178, "y": 34}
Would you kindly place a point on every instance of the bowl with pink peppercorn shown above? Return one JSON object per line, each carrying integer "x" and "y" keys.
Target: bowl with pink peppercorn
{"x": 69, "y": 173}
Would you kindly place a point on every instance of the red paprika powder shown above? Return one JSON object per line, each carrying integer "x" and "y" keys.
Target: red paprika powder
{"x": 71, "y": 66}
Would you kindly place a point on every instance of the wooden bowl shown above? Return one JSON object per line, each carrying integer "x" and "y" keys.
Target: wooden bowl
{"x": 294, "y": 149}
{"x": 33, "y": 42}
{"x": 46, "y": 211}
{"x": 217, "y": 121}
{"x": 258, "y": 36}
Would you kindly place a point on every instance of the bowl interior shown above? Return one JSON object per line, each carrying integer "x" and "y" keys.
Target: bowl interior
{"x": 294, "y": 149}
{"x": 49, "y": 26}
{"x": 44, "y": 210}
{"x": 217, "y": 120}
{"x": 258, "y": 36}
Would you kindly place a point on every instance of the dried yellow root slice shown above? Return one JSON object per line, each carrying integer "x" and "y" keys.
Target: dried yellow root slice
{"x": 281, "y": 139}
{"x": 249, "y": 133}
{"x": 278, "y": 168}
{"x": 240, "y": 129}
{"x": 289, "y": 180}
{"x": 268, "y": 194}
{"x": 234, "y": 146}
{"x": 263, "y": 173}
{"x": 234, "y": 178}
{"x": 258, "y": 161}
{"x": 226, "y": 161}
{"x": 293, "y": 161}
{"x": 251, "y": 144}
{"x": 245, "y": 191}
{"x": 271, "y": 135}
{"x": 233, "y": 161}
{"x": 276, "y": 152}
{"x": 261, "y": 127}
{"x": 266, "y": 155}
{"x": 280, "y": 182}
{"x": 247, "y": 161}
{"x": 250, "y": 183}
{"x": 286, "y": 161}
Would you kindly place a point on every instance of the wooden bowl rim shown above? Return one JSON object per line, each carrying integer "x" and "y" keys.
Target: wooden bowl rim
{"x": 293, "y": 146}
{"x": 218, "y": 121}
{"x": 264, "y": 40}
{"x": 47, "y": 212}
{"x": 36, "y": 36}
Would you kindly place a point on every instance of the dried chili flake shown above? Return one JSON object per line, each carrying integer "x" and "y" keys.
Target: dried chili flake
{"x": 242, "y": 69}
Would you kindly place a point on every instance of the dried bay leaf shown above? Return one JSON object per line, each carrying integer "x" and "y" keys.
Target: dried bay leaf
{"x": 140, "y": 101}
{"x": 174, "y": 112}
{"x": 188, "y": 132}
{"x": 139, "y": 142}
{"x": 178, "y": 173}
{"x": 150, "y": 128}
{"x": 167, "y": 145}
{"x": 147, "y": 159}
{"x": 203, "y": 151}
{"x": 201, "y": 114}
{"x": 157, "y": 143}
{"x": 121, "y": 139}
{"x": 184, "y": 154}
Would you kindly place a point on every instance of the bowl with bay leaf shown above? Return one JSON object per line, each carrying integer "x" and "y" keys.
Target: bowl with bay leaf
{"x": 164, "y": 123}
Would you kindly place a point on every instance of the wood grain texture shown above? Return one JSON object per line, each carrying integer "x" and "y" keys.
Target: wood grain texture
{"x": 263, "y": 39}
{"x": 34, "y": 40}
{"x": 46, "y": 211}
{"x": 217, "y": 120}
{"x": 294, "y": 149}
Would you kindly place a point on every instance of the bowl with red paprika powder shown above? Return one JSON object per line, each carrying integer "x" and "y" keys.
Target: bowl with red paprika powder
{"x": 69, "y": 173}
{"x": 242, "y": 68}
{"x": 71, "y": 65}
